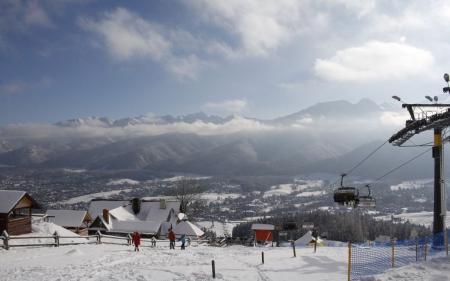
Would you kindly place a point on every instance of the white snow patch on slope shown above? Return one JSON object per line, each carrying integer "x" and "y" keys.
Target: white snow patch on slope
{"x": 414, "y": 184}
{"x": 288, "y": 188}
{"x": 123, "y": 182}
{"x": 90, "y": 196}
{"x": 218, "y": 197}
{"x": 180, "y": 178}
{"x": 423, "y": 218}
{"x": 311, "y": 193}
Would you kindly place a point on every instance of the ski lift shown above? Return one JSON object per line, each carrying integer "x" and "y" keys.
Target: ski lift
{"x": 346, "y": 195}
{"x": 366, "y": 201}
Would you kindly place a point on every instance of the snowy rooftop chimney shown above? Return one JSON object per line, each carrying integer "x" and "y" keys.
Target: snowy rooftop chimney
{"x": 106, "y": 215}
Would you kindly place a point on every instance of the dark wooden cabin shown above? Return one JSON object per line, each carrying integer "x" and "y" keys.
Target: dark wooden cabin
{"x": 15, "y": 211}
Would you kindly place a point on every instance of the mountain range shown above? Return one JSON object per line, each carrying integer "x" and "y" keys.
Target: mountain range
{"x": 326, "y": 137}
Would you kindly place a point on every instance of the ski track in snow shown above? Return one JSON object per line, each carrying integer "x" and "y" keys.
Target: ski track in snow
{"x": 117, "y": 262}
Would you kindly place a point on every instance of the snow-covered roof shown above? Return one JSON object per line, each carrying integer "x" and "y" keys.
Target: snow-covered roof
{"x": 67, "y": 218}
{"x": 10, "y": 198}
{"x": 260, "y": 226}
{"x": 96, "y": 206}
{"x": 306, "y": 239}
{"x": 148, "y": 220}
{"x": 148, "y": 227}
{"x": 187, "y": 228}
{"x": 150, "y": 211}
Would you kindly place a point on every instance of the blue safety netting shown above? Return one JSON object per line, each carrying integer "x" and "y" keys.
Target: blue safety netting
{"x": 373, "y": 258}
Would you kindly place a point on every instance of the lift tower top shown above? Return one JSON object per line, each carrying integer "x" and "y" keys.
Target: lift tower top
{"x": 433, "y": 116}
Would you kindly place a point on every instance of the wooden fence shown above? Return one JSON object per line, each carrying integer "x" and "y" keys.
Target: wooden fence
{"x": 98, "y": 238}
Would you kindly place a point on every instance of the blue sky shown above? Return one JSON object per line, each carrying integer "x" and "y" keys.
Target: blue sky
{"x": 65, "y": 59}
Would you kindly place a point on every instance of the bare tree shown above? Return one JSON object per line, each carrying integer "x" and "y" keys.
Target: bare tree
{"x": 187, "y": 191}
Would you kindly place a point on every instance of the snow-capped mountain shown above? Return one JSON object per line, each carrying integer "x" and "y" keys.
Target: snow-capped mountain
{"x": 199, "y": 143}
{"x": 148, "y": 119}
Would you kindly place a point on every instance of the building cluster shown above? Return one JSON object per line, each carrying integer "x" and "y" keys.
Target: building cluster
{"x": 153, "y": 218}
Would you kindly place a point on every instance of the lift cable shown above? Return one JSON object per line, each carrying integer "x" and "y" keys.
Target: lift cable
{"x": 367, "y": 157}
{"x": 400, "y": 166}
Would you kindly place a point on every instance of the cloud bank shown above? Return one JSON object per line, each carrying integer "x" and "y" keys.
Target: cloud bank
{"x": 375, "y": 60}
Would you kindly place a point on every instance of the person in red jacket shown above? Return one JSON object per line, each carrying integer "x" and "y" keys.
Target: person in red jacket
{"x": 171, "y": 237}
{"x": 136, "y": 237}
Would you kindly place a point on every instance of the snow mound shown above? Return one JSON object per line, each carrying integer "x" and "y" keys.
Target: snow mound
{"x": 123, "y": 181}
{"x": 436, "y": 269}
{"x": 43, "y": 229}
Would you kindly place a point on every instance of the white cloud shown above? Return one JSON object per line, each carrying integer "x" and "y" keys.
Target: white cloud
{"x": 375, "y": 60}
{"x": 37, "y": 131}
{"x": 234, "y": 106}
{"x": 390, "y": 118}
{"x": 186, "y": 67}
{"x": 261, "y": 26}
{"x": 127, "y": 36}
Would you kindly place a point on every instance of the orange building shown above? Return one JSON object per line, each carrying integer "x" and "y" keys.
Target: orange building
{"x": 263, "y": 232}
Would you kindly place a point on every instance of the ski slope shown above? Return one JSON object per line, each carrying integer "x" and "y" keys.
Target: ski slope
{"x": 117, "y": 262}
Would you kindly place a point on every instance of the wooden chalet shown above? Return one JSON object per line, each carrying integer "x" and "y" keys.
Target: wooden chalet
{"x": 74, "y": 220}
{"x": 15, "y": 211}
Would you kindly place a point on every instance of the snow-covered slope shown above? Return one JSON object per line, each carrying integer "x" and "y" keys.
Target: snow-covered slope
{"x": 436, "y": 269}
{"x": 115, "y": 262}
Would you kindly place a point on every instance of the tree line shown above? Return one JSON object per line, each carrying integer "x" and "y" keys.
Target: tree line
{"x": 354, "y": 226}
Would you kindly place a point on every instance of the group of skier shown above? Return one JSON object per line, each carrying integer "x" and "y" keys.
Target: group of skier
{"x": 136, "y": 240}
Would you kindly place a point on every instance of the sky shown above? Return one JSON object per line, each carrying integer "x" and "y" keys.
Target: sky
{"x": 62, "y": 59}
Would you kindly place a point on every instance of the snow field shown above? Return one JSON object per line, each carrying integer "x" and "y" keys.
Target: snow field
{"x": 117, "y": 262}
{"x": 437, "y": 269}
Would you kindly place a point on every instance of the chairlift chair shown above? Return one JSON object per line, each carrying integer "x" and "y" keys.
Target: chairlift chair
{"x": 366, "y": 201}
{"x": 346, "y": 195}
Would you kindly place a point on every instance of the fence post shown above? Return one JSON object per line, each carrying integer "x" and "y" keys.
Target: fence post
{"x": 393, "y": 252}
{"x": 349, "y": 269}
{"x": 315, "y": 246}
{"x": 99, "y": 237}
{"x": 56, "y": 237}
{"x": 262, "y": 257}
{"x": 446, "y": 242}
{"x": 293, "y": 248}
{"x": 417, "y": 248}
{"x": 5, "y": 240}
{"x": 213, "y": 267}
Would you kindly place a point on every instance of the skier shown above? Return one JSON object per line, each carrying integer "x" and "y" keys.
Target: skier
{"x": 153, "y": 241}
{"x": 183, "y": 241}
{"x": 171, "y": 239}
{"x": 136, "y": 240}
